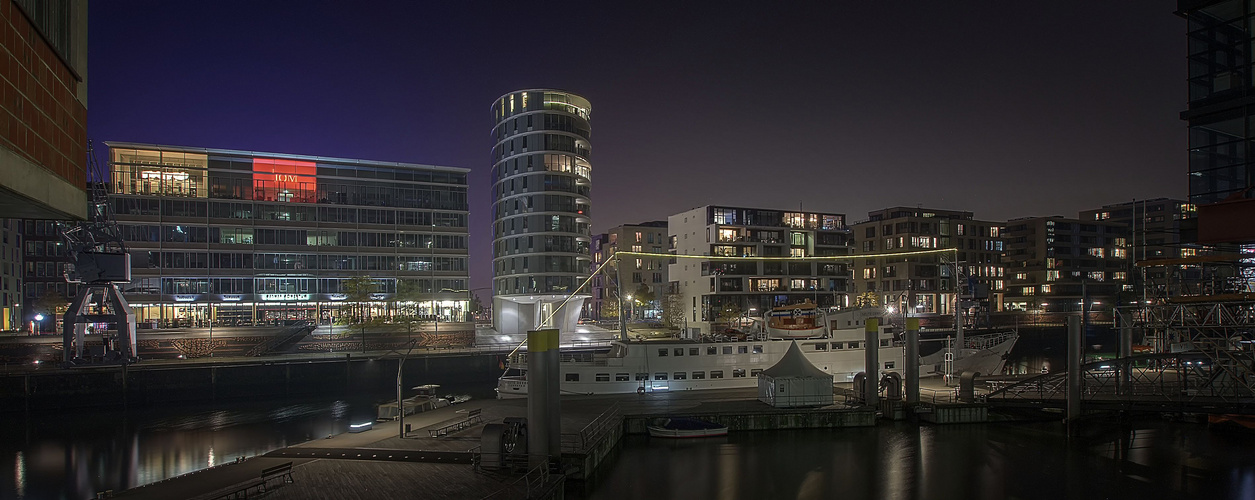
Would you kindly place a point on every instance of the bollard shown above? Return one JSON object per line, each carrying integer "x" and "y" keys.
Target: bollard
{"x": 871, "y": 391}
{"x": 912, "y": 361}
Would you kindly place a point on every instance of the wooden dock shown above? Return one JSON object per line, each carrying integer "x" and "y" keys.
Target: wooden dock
{"x": 378, "y": 463}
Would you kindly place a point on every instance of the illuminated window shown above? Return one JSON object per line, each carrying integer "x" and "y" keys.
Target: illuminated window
{"x": 1052, "y": 275}
{"x": 726, "y": 235}
{"x": 1097, "y": 275}
{"x": 1097, "y": 252}
{"x": 1046, "y": 288}
{"x": 1119, "y": 276}
{"x": 797, "y": 252}
{"x": 1028, "y": 290}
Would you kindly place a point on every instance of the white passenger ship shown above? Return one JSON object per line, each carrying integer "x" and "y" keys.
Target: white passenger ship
{"x": 655, "y": 366}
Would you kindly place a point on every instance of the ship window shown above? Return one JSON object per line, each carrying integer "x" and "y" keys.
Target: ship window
{"x": 758, "y": 349}
{"x": 679, "y": 351}
{"x": 755, "y": 371}
{"x": 738, "y": 373}
{"x": 662, "y": 353}
{"x": 621, "y": 377}
{"x": 889, "y": 365}
{"x": 716, "y": 374}
{"x": 692, "y": 351}
{"x": 853, "y": 345}
{"x": 822, "y": 346}
{"x": 727, "y": 349}
{"x": 742, "y": 349}
{"x": 603, "y": 377}
{"x": 642, "y": 376}
{"x": 884, "y": 342}
{"x": 660, "y": 376}
{"x": 699, "y": 375}
{"x": 572, "y": 377}
{"x": 679, "y": 376}
{"x": 712, "y": 350}
{"x": 837, "y": 346}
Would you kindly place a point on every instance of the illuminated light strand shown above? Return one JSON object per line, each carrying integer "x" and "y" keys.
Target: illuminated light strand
{"x": 641, "y": 254}
{"x": 616, "y": 257}
{"x": 795, "y": 259}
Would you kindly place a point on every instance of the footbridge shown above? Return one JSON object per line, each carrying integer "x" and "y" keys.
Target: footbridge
{"x": 1186, "y": 382}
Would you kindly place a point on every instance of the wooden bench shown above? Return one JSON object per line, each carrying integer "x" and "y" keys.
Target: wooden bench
{"x": 282, "y": 472}
{"x": 456, "y": 424}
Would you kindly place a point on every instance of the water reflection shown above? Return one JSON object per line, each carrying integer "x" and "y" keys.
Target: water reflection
{"x": 74, "y": 454}
{"x": 1035, "y": 460}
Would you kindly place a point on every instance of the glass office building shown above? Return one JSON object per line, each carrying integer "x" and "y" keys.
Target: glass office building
{"x": 1221, "y": 82}
{"x": 239, "y": 237}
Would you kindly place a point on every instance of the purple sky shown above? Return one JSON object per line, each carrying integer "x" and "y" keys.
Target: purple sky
{"x": 1026, "y": 108}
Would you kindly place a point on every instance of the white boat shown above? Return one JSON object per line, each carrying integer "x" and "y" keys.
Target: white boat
{"x": 679, "y": 365}
{"x": 685, "y": 428}
{"x": 983, "y": 354}
{"x": 797, "y": 321}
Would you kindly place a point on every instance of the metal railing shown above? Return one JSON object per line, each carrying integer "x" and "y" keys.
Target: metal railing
{"x": 594, "y": 431}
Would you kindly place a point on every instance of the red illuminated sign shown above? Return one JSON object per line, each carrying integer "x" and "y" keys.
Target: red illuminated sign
{"x": 284, "y": 180}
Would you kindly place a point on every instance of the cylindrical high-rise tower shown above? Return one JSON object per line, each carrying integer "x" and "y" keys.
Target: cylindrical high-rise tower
{"x": 540, "y": 206}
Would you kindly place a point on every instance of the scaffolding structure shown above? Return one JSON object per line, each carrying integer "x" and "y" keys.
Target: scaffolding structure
{"x": 1201, "y": 304}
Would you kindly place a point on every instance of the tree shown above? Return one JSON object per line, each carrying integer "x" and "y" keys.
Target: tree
{"x": 642, "y": 294}
{"x": 867, "y": 299}
{"x": 50, "y": 304}
{"x": 358, "y": 290}
{"x": 610, "y": 307}
{"x": 730, "y": 313}
{"x": 673, "y": 310}
{"x": 408, "y": 291}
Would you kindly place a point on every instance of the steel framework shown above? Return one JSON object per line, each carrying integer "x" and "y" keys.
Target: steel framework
{"x": 1179, "y": 382}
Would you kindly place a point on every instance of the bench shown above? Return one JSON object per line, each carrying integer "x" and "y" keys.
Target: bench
{"x": 453, "y": 425}
{"x": 282, "y": 472}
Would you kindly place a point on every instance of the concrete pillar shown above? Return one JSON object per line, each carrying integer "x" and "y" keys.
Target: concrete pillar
{"x": 544, "y": 416}
{"x": 871, "y": 390}
{"x": 1075, "y": 339}
{"x": 1126, "y": 349}
{"x": 912, "y": 361}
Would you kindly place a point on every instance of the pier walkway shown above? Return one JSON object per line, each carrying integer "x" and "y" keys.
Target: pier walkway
{"x": 378, "y": 463}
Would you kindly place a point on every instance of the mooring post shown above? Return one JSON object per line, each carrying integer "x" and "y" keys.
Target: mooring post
{"x": 871, "y": 388}
{"x": 1075, "y": 339}
{"x": 544, "y": 416}
{"x": 912, "y": 361}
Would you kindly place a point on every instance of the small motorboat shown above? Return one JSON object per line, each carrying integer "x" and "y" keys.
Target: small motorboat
{"x": 686, "y": 428}
{"x": 457, "y": 398}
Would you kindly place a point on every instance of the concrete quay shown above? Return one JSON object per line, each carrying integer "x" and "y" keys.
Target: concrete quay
{"x": 378, "y": 463}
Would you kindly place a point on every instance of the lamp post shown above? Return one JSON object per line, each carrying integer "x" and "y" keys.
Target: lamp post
{"x": 631, "y": 309}
{"x": 39, "y": 322}
{"x": 400, "y": 402}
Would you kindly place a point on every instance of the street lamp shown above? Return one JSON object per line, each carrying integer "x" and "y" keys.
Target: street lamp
{"x": 39, "y": 320}
{"x": 401, "y": 402}
{"x": 631, "y": 308}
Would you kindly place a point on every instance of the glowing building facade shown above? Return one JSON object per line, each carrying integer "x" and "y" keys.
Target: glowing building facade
{"x": 241, "y": 237}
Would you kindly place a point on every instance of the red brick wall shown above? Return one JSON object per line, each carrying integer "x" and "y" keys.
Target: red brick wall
{"x": 40, "y": 116}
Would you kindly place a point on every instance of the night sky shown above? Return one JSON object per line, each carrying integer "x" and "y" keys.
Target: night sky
{"x": 1007, "y": 109}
